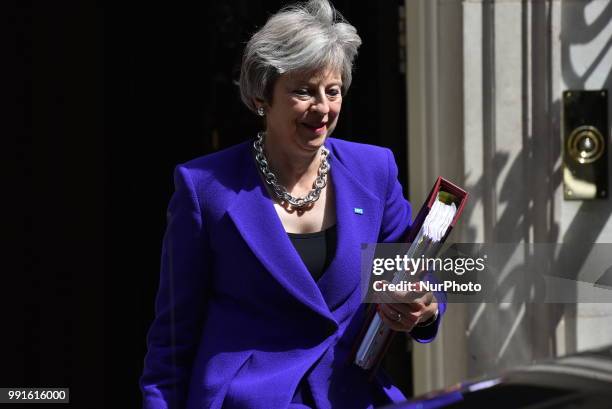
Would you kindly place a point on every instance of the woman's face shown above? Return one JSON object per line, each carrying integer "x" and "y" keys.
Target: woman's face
{"x": 304, "y": 110}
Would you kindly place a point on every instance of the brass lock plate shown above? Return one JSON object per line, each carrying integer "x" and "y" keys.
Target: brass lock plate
{"x": 585, "y": 144}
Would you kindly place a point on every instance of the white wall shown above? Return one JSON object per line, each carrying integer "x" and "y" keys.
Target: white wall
{"x": 582, "y": 59}
{"x": 484, "y": 87}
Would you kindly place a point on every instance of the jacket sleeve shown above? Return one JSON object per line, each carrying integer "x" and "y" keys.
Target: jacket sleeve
{"x": 395, "y": 227}
{"x": 180, "y": 304}
{"x": 397, "y": 213}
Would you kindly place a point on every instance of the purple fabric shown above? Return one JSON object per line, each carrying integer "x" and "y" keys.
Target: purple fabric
{"x": 239, "y": 319}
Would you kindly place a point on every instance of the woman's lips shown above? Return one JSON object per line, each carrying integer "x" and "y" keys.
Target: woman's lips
{"x": 318, "y": 128}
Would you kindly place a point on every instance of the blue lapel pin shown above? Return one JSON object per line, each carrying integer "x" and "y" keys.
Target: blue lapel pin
{"x": 358, "y": 210}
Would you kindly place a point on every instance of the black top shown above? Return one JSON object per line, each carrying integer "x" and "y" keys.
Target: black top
{"x": 316, "y": 249}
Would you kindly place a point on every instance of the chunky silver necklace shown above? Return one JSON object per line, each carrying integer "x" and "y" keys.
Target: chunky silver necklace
{"x": 279, "y": 190}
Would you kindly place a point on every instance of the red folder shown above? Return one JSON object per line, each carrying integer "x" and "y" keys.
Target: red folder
{"x": 441, "y": 185}
{"x": 460, "y": 197}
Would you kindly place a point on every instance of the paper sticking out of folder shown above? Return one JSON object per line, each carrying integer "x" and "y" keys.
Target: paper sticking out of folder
{"x": 431, "y": 227}
{"x": 439, "y": 219}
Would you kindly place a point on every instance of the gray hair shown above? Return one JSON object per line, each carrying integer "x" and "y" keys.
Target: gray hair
{"x": 306, "y": 37}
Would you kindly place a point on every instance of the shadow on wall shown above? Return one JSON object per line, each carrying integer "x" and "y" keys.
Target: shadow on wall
{"x": 527, "y": 194}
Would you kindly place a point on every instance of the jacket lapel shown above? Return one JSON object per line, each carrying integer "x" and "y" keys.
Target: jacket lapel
{"x": 358, "y": 218}
{"x": 253, "y": 214}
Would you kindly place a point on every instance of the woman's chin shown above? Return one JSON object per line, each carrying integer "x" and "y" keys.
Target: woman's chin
{"x": 311, "y": 141}
{"x": 314, "y": 144}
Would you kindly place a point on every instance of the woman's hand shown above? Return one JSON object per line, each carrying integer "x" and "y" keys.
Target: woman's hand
{"x": 408, "y": 309}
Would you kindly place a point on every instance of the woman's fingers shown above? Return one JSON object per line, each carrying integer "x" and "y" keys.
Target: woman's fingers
{"x": 402, "y": 310}
{"x": 416, "y": 295}
{"x": 424, "y": 300}
{"x": 397, "y": 316}
{"x": 413, "y": 301}
{"x": 388, "y": 319}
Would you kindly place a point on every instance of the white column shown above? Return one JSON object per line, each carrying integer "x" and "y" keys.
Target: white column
{"x": 435, "y": 127}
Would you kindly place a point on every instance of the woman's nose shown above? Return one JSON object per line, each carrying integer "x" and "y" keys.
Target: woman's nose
{"x": 321, "y": 105}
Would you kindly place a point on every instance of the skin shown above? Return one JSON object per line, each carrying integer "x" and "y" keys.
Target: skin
{"x": 413, "y": 308}
{"x": 304, "y": 110}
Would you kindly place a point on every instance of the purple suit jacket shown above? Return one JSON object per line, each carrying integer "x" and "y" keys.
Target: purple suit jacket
{"x": 239, "y": 319}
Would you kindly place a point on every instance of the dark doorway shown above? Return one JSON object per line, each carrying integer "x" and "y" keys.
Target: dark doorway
{"x": 171, "y": 96}
{"x": 115, "y": 96}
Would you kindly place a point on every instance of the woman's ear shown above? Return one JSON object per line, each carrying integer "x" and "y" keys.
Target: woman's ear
{"x": 266, "y": 101}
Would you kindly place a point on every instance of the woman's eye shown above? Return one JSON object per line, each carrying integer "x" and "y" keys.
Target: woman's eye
{"x": 301, "y": 92}
{"x": 306, "y": 93}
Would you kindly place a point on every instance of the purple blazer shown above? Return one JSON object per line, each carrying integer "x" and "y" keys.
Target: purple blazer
{"x": 239, "y": 319}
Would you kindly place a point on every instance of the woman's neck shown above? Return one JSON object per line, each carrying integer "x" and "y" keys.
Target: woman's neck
{"x": 295, "y": 171}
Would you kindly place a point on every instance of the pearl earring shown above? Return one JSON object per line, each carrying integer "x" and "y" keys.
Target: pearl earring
{"x": 260, "y": 111}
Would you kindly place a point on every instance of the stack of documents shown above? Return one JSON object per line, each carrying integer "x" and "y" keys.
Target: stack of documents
{"x": 430, "y": 229}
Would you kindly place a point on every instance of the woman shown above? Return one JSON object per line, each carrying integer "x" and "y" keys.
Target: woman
{"x": 259, "y": 301}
